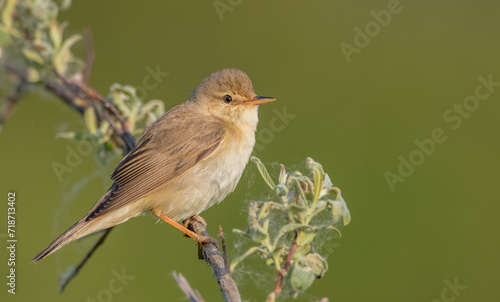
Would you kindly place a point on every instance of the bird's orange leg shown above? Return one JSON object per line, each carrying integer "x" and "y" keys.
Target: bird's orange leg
{"x": 199, "y": 238}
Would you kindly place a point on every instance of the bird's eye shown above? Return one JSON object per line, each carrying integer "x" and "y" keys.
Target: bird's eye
{"x": 228, "y": 98}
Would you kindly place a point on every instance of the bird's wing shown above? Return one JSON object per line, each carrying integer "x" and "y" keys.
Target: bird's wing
{"x": 160, "y": 157}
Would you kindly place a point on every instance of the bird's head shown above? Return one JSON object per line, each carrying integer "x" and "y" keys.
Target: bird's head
{"x": 228, "y": 94}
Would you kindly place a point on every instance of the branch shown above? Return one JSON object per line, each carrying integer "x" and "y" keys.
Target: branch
{"x": 66, "y": 91}
{"x": 217, "y": 262}
{"x": 80, "y": 96}
{"x": 65, "y": 281}
{"x": 12, "y": 100}
{"x": 89, "y": 59}
{"x": 191, "y": 294}
{"x": 281, "y": 273}
{"x": 58, "y": 71}
{"x": 60, "y": 91}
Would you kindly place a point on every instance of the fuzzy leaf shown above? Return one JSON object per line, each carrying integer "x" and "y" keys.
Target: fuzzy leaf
{"x": 301, "y": 278}
{"x": 64, "y": 55}
{"x": 264, "y": 210}
{"x": 237, "y": 260}
{"x": 316, "y": 264}
{"x": 305, "y": 238}
{"x": 288, "y": 228}
{"x": 56, "y": 33}
{"x": 242, "y": 233}
{"x": 32, "y": 56}
{"x": 64, "y": 4}
{"x": 281, "y": 190}
{"x": 339, "y": 209}
{"x": 90, "y": 120}
{"x": 283, "y": 175}
{"x": 331, "y": 227}
{"x": 7, "y": 14}
{"x": 318, "y": 182}
{"x": 292, "y": 227}
{"x": 33, "y": 75}
{"x": 263, "y": 171}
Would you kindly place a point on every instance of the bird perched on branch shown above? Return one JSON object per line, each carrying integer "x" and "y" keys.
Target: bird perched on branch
{"x": 185, "y": 162}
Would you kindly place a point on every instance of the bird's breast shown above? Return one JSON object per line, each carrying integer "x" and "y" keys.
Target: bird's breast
{"x": 211, "y": 180}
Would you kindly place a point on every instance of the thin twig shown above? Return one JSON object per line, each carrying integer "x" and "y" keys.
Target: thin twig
{"x": 281, "y": 273}
{"x": 75, "y": 272}
{"x": 190, "y": 293}
{"x": 66, "y": 92}
{"x": 70, "y": 91}
{"x": 89, "y": 92}
{"x": 213, "y": 257}
{"x": 12, "y": 100}
{"x": 89, "y": 59}
{"x": 57, "y": 89}
{"x": 221, "y": 235}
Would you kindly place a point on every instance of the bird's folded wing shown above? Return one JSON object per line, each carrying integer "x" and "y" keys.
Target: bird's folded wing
{"x": 158, "y": 159}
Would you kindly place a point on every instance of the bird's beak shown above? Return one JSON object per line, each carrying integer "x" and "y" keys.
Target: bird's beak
{"x": 259, "y": 100}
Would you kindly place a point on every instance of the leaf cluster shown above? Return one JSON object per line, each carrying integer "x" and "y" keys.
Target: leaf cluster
{"x": 34, "y": 41}
{"x": 292, "y": 212}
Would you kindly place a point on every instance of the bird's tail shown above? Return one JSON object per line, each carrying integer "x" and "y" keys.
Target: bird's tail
{"x": 78, "y": 230}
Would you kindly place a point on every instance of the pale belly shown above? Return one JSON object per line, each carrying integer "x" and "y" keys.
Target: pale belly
{"x": 204, "y": 185}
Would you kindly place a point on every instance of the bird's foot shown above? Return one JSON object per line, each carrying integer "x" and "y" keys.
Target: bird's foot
{"x": 201, "y": 239}
{"x": 199, "y": 219}
{"x": 195, "y": 218}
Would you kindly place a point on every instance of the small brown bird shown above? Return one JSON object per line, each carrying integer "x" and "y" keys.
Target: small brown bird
{"x": 185, "y": 162}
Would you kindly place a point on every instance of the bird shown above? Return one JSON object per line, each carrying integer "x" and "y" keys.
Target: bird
{"x": 183, "y": 163}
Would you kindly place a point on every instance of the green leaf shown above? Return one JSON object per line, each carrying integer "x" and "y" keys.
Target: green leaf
{"x": 237, "y": 260}
{"x": 153, "y": 107}
{"x": 339, "y": 209}
{"x": 263, "y": 171}
{"x": 281, "y": 190}
{"x": 316, "y": 264}
{"x": 305, "y": 237}
{"x": 292, "y": 227}
{"x": 259, "y": 233}
{"x": 8, "y": 13}
{"x": 265, "y": 209}
{"x": 296, "y": 208}
{"x": 90, "y": 120}
{"x": 318, "y": 182}
{"x": 32, "y": 56}
{"x": 331, "y": 227}
{"x": 286, "y": 229}
{"x": 301, "y": 278}
{"x": 56, "y": 33}
{"x": 279, "y": 252}
{"x": 301, "y": 251}
{"x": 283, "y": 175}
{"x": 301, "y": 196}
{"x": 64, "y": 55}
{"x": 32, "y": 75}
{"x": 64, "y": 4}
{"x": 126, "y": 89}
{"x": 242, "y": 233}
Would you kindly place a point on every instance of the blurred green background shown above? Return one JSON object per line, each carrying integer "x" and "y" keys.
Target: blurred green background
{"x": 356, "y": 118}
